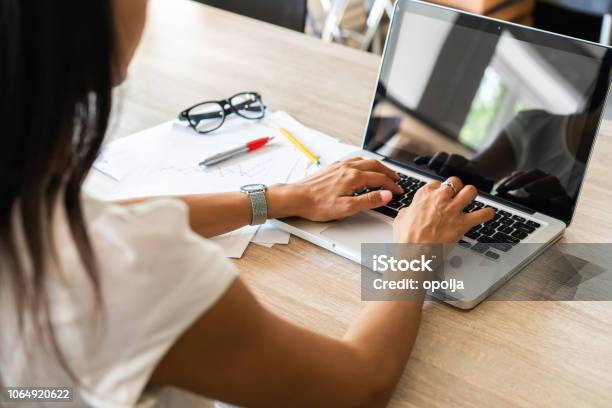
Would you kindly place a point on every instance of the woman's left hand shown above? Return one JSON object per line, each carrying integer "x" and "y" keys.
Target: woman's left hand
{"x": 329, "y": 194}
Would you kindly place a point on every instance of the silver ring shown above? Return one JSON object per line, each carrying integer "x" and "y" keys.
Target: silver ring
{"x": 450, "y": 184}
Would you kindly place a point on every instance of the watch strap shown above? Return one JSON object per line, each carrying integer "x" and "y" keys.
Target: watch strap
{"x": 259, "y": 207}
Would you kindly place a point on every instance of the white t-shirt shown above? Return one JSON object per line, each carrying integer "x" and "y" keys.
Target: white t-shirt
{"x": 157, "y": 277}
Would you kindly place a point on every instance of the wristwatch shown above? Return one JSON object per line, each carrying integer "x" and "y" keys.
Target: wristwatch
{"x": 259, "y": 205}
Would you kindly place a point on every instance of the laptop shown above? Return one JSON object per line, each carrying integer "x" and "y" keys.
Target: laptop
{"x": 509, "y": 109}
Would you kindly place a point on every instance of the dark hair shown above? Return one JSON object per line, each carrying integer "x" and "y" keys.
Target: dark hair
{"x": 56, "y": 75}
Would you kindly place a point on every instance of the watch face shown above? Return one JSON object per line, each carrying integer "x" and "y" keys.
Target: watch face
{"x": 253, "y": 188}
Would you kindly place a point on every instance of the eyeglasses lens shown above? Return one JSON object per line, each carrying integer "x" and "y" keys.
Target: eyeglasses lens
{"x": 249, "y": 105}
{"x": 206, "y": 117}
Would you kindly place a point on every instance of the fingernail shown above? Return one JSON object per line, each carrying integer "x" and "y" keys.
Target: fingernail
{"x": 386, "y": 195}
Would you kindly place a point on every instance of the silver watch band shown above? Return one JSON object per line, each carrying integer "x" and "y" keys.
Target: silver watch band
{"x": 259, "y": 207}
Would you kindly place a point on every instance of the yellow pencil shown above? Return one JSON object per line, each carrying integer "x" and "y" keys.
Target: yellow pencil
{"x": 300, "y": 146}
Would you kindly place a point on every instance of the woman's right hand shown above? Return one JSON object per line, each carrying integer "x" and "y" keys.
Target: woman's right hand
{"x": 436, "y": 214}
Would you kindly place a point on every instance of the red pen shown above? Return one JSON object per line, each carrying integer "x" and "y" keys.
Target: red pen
{"x": 249, "y": 147}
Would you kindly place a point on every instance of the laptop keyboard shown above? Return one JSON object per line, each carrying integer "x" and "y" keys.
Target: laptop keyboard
{"x": 490, "y": 239}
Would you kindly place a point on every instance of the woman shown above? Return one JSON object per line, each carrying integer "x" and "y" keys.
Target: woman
{"x": 108, "y": 298}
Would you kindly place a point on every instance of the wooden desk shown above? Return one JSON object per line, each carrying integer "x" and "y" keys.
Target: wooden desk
{"x": 500, "y": 354}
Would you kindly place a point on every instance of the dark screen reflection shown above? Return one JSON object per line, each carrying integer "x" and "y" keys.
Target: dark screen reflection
{"x": 515, "y": 117}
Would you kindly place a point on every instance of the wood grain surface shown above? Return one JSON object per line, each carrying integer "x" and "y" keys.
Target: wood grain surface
{"x": 501, "y": 354}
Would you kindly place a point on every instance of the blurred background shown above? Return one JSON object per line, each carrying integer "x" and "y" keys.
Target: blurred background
{"x": 363, "y": 23}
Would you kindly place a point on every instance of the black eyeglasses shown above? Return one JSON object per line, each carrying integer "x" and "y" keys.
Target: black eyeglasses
{"x": 209, "y": 116}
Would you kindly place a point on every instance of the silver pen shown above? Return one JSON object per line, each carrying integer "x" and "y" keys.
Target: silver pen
{"x": 228, "y": 154}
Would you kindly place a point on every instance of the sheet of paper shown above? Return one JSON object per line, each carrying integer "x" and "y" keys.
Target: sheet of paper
{"x": 175, "y": 170}
{"x": 118, "y": 158}
{"x": 269, "y": 235}
{"x": 164, "y": 161}
{"x": 263, "y": 244}
{"x": 236, "y": 242}
{"x": 323, "y": 146}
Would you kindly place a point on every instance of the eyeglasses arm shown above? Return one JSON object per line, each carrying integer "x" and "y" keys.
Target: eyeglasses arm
{"x": 197, "y": 117}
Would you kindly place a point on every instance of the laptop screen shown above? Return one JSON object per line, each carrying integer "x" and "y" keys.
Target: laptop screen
{"x": 511, "y": 110}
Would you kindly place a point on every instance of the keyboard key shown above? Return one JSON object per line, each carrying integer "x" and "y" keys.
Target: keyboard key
{"x": 523, "y": 227}
{"x": 492, "y": 224}
{"x": 506, "y": 221}
{"x": 472, "y": 234}
{"x": 390, "y": 212}
{"x": 519, "y": 234}
{"x": 490, "y": 206}
{"x": 478, "y": 204}
{"x": 406, "y": 201}
{"x": 469, "y": 208}
{"x": 480, "y": 248}
{"x": 502, "y": 246}
{"x": 487, "y": 240}
{"x": 501, "y": 237}
{"x": 533, "y": 224}
{"x": 504, "y": 213}
{"x": 492, "y": 255}
{"x": 404, "y": 183}
{"x": 395, "y": 204}
{"x": 518, "y": 218}
{"x": 487, "y": 231}
{"x": 513, "y": 241}
{"x": 465, "y": 244}
{"x": 505, "y": 229}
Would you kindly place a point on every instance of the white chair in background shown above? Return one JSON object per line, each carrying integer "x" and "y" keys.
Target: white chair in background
{"x": 334, "y": 11}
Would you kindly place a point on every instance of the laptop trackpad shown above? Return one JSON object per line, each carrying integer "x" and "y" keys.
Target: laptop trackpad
{"x": 361, "y": 228}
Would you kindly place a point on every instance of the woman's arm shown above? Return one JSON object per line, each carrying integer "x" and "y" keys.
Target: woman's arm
{"x": 241, "y": 353}
{"x": 325, "y": 196}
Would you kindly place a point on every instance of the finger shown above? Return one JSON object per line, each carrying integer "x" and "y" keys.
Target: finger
{"x": 521, "y": 179}
{"x": 447, "y": 191}
{"x": 478, "y": 217}
{"x": 432, "y": 185}
{"x": 353, "y": 159}
{"x": 375, "y": 165}
{"x": 369, "y": 201}
{"x": 375, "y": 180}
{"x": 438, "y": 160}
{"x": 465, "y": 197}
